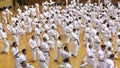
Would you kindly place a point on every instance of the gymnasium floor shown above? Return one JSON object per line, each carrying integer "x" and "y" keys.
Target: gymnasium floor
{"x": 6, "y": 61}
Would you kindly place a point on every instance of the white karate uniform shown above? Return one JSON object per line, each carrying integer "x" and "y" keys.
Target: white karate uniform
{"x": 29, "y": 25}
{"x": 59, "y": 46}
{"x": 109, "y": 63}
{"x": 33, "y": 46}
{"x": 67, "y": 65}
{"x": 42, "y": 60}
{"x": 22, "y": 58}
{"x": 68, "y": 33}
{"x": 4, "y": 18}
{"x": 65, "y": 54}
{"x": 117, "y": 48}
{"x": 76, "y": 44}
{"x": 108, "y": 53}
{"x": 5, "y": 41}
{"x": 96, "y": 42}
{"x": 15, "y": 37}
{"x": 16, "y": 59}
{"x": 38, "y": 34}
{"x": 91, "y": 57}
{"x": 45, "y": 49}
{"x": 108, "y": 44}
{"x": 101, "y": 56}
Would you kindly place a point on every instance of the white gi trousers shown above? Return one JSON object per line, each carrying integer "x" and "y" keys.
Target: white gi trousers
{"x": 15, "y": 38}
{"x": 17, "y": 64}
{"x": 47, "y": 57}
{"x": 75, "y": 47}
{"x": 38, "y": 39}
{"x": 42, "y": 64}
{"x": 6, "y": 45}
{"x": 34, "y": 53}
{"x": 58, "y": 53}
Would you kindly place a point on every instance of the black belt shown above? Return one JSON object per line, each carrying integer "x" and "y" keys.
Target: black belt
{"x": 59, "y": 47}
{"x": 90, "y": 57}
{"x": 46, "y": 51}
{"x": 38, "y": 34}
{"x": 41, "y": 61}
{"x": 97, "y": 42}
{"x": 119, "y": 45}
{"x": 77, "y": 41}
{"x": 13, "y": 34}
{"x": 101, "y": 60}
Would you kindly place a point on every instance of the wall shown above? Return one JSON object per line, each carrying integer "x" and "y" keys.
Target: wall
{"x": 4, "y": 3}
{"x": 63, "y": 1}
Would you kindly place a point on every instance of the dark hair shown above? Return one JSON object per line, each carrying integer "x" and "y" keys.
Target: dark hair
{"x": 109, "y": 48}
{"x": 23, "y": 50}
{"x": 103, "y": 46}
{"x": 14, "y": 44}
{"x": 60, "y": 37}
{"x": 112, "y": 56}
{"x": 66, "y": 60}
{"x": 66, "y": 48}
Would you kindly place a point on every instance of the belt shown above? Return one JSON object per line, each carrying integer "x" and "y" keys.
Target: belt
{"x": 77, "y": 41}
{"x": 97, "y": 42}
{"x": 119, "y": 45}
{"x": 59, "y": 47}
{"x": 41, "y": 61}
{"x": 38, "y": 34}
{"x": 101, "y": 60}
{"x": 13, "y": 34}
{"x": 46, "y": 51}
{"x": 90, "y": 57}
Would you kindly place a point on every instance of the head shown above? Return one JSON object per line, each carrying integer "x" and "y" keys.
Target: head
{"x": 32, "y": 37}
{"x": 111, "y": 56}
{"x": 90, "y": 46}
{"x": 109, "y": 48}
{"x": 66, "y": 48}
{"x": 24, "y": 51}
{"x": 74, "y": 30}
{"x": 14, "y": 44}
{"x": 44, "y": 39}
{"x": 66, "y": 60}
{"x": 103, "y": 47}
{"x": 60, "y": 37}
{"x": 118, "y": 36}
{"x": 110, "y": 39}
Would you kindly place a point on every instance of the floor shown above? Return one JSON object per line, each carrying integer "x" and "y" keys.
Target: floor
{"x": 6, "y": 61}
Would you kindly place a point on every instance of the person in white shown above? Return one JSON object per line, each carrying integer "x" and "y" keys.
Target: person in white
{"x": 65, "y": 53}
{"x": 29, "y": 24}
{"x": 42, "y": 60}
{"x": 23, "y": 57}
{"x": 76, "y": 43}
{"x": 68, "y": 31}
{"x": 101, "y": 57}
{"x": 108, "y": 52}
{"x": 38, "y": 31}
{"x": 97, "y": 41}
{"x": 66, "y": 63}
{"x": 16, "y": 54}
{"x": 34, "y": 47}
{"x": 117, "y": 47}
{"x": 91, "y": 57}
{"x": 5, "y": 41}
{"x": 45, "y": 48}
{"x": 25, "y": 65}
{"x": 4, "y": 18}
{"x": 109, "y": 63}
{"x": 15, "y": 37}
{"x": 59, "y": 46}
